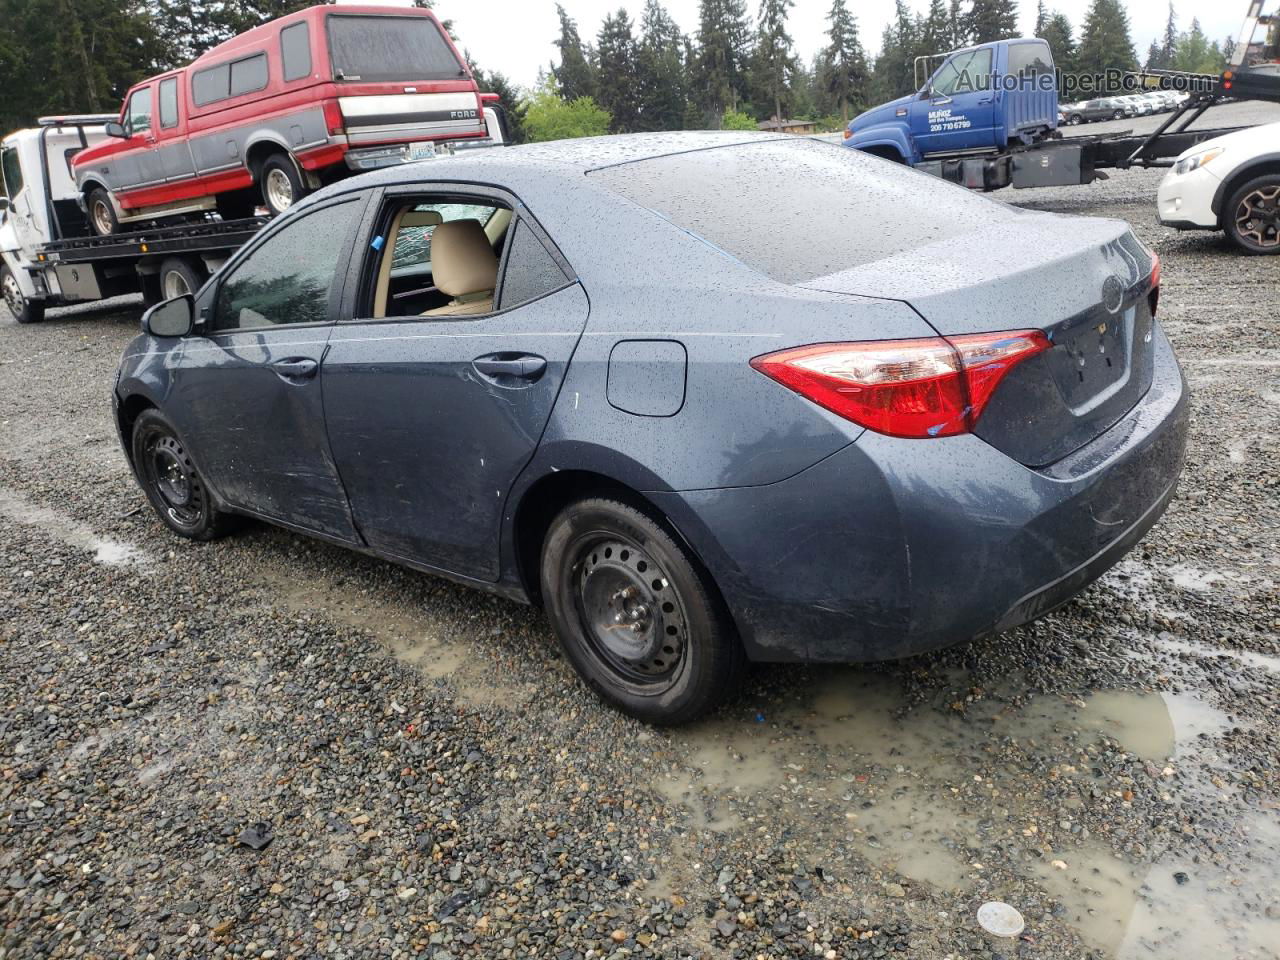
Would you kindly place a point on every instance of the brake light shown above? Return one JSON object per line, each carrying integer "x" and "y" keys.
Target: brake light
{"x": 333, "y": 119}
{"x": 1153, "y": 298}
{"x": 930, "y": 387}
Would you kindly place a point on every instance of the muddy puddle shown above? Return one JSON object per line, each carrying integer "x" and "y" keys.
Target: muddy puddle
{"x": 105, "y": 550}
{"x": 407, "y": 633}
{"x": 921, "y": 790}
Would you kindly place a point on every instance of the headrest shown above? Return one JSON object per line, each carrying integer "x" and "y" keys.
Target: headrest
{"x": 420, "y": 218}
{"x": 462, "y": 262}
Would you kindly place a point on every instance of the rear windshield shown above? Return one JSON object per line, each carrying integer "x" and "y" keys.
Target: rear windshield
{"x": 373, "y": 48}
{"x": 798, "y": 209}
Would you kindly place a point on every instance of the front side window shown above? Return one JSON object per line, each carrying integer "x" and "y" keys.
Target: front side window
{"x": 138, "y": 114}
{"x": 12, "y": 172}
{"x": 964, "y": 73}
{"x": 289, "y": 277}
{"x": 295, "y": 51}
{"x": 169, "y": 102}
{"x": 378, "y": 48}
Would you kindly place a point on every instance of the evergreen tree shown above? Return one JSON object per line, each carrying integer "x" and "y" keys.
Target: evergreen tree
{"x": 845, "y": 62}
{"x": 720, "y": 59}
{"x": 1104, "y": 39}
{"x": 660, "y": 70}
{"x": 72, "y": 56}
{"x": 1042, "y": 18}
{"x": 1195, "y": 54}
{"x": 1169, "y": 47}
{"x": 616, "y": 77}
{"x": 993, "y": 20}
{"x": 1058, "y": 34}
{"x": 774, "y": 61}
{"x": 894, "y": 73}
{"x": 959, "y": 26}
{"x": 512, "y": 104}
{"x": 935, "y": 29}
{"x": 574, "y": 75}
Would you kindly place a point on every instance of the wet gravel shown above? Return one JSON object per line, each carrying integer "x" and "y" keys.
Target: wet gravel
{"x": 267, "y": 747}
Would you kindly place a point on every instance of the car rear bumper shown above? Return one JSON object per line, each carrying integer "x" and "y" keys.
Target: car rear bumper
{"x": 892, "y": 547}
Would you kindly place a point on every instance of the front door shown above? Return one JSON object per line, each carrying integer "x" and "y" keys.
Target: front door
{"x": 436, "y": 395}
{"x": 136, "y": 168}
{"x": 247, "y": 392}
{"x": 957, "y": 111}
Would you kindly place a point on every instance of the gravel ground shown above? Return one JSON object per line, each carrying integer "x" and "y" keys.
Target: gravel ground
{"x": 430, "y": 780}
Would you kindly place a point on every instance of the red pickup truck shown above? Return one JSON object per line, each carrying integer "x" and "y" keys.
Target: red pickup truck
{"x": 280, "y": 110}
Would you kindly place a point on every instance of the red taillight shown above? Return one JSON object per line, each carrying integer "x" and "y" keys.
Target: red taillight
{"x": 333, "y": 119}
{"x": 931, "y": 387}
{"x": 1153, "y": 298}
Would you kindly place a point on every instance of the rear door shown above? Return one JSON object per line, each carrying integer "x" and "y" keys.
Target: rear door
{"x": 431, "y": 418}
{"x": 959, "y": 113}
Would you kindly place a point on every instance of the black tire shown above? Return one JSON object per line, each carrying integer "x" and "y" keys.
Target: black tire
{"x": 1076, "y": 120}
{"x": 636, "y": 616}
{"x": 279, "y": 170}
{"x": 24, "y": 310}
{"x": 179, "y": 275}
{"x": 236, "y": 204}
{"x": 101, "y": 212}
{"x": 172, "y": 483}
{"x": 1118, "y": 115}
{"x": 1251, "y": 217}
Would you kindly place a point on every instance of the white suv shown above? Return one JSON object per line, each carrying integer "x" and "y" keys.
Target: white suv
{"x": 1229, "y": 183}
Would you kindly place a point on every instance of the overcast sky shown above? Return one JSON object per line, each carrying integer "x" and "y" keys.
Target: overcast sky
{"x": 515, "y": 36}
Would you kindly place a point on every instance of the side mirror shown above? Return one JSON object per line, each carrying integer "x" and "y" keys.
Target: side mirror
{"x": 4, "y": 204}
{"x": 115, "y": 128}
{"x": 172, "y": 318}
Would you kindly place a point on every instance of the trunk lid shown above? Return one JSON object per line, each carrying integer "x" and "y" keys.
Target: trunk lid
{"x": 1085, "y": 282}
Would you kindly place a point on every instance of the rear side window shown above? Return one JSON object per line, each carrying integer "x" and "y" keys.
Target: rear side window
{"x": 233, "y": 79}
{"x": 295, "y": 51}
{"x": 375, "y": 48}
{"x": 829, "y": 211}
{"x": 12, "y": 171}
{"x": 248, "y": 75}
{"x": 289, "y": 276}
{"x": 1030, "y": 59}
{"x": 169, "y": 102}
{"x": 531, "y": 271}
{"x": 211, "y": 84}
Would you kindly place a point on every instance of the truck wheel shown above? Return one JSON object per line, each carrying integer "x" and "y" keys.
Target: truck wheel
{"x": 1252, "y": 215}
{"x": 102, "y": 213}
{"x": 281, "y": 184}
{"x": 23, "y": 310}
{"x": 635, "y": 615}
{"x": 179, "y": 275}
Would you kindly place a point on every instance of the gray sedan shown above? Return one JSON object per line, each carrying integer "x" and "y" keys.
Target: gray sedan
{"x": 707, "y": 398}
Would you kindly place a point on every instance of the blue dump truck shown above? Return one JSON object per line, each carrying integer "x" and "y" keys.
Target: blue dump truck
{"x": 987, "y": 118}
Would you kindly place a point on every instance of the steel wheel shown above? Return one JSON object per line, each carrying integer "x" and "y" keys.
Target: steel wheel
{"x": 629, "y": 610}
{"x": 13, "y": 297}
{"x": 104, "y": 218}
{"x": 171, "y": 475}
{"x": 1257, "y": 216}
{"x": 279, "y": 189}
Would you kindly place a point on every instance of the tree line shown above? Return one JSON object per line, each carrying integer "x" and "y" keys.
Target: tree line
{"x": 738, "y": 67}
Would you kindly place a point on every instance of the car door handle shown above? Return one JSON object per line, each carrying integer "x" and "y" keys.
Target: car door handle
{"x": 498, "y": 366}
{"x": 295, "y": 368}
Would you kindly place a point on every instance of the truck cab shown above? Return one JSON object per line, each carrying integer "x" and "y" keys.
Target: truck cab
{"x": 981, "y": 98}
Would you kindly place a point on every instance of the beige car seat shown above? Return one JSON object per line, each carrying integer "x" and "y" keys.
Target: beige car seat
{"x": 405, "y": 217}
{"x": 464, "y": 266}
